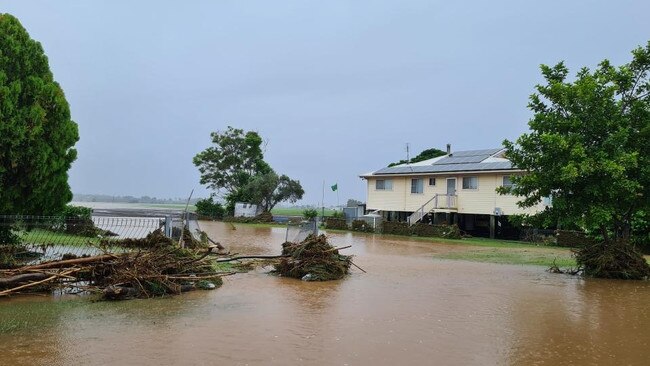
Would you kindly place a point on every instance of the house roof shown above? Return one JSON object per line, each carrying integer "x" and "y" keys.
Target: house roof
{"x": 459, "y": 161}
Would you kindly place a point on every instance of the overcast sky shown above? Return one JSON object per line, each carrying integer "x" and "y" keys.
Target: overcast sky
{"x": 337, "y": 88}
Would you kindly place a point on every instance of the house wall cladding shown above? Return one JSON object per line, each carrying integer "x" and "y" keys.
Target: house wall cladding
{"x": 482, "y": 200}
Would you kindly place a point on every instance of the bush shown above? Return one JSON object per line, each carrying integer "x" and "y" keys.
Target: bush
{"x": 77, "y": 220}
{"x": 572, "y": 239}
{"x": 265, "y": 216}
{"x": 396, "y": 228}
{"x": 439, "y": 231}
{"x": 208, "y": 208}
{"x": 362, "y": 225}
{"x": 310, "y": 214}
{"x": 338, "y": 215}
{"x": 336, "y": 223}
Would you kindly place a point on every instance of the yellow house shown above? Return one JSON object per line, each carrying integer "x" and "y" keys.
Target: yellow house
{"x": 458, "y": 187}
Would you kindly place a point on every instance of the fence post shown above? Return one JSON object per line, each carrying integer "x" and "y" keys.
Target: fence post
{"x": 168, "y": 226}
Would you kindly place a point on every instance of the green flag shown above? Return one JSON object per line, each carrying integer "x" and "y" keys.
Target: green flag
{"x": 335, "y": 187}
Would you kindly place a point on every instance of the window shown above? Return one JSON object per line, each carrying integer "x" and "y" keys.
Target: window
{"x": 417, "y": 185}
{"x": 384, "y": 184}
{"x": 470, "y": 182}
{"x": 507, "y": 182}
{"x": 432, "y": 181}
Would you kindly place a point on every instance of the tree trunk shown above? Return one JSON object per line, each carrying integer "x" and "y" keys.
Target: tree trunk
{"x": 22, "y": 279}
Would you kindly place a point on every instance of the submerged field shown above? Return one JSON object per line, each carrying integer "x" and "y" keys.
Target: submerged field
{"x": 411, "y": 306}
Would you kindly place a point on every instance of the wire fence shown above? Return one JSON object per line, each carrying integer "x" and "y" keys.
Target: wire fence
{"x": 297, "y": 232}
{"x": 44, "y": 238}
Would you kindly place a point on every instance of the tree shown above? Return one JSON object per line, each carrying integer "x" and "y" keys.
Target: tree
{"x": 231, "y": 163}
{"x": 588, "y": 150}
{"x": 353, "y": 203}
{"x": 235, "y": 158}
{"x": 267, "y": 190}
{"x": 37, "y": 134}
{"x": 424, "y": 155}
{"x": 236, "y": 166}
{"x": 208, "y": 207}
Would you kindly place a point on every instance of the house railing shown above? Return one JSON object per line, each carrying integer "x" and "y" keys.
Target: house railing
{"x": 438, "y": 201}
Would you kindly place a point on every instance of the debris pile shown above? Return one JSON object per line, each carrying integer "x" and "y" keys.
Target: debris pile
{"x": 617, "y": 259}
{"x": 314, "y": 259}
{"x": 158, "y": 267}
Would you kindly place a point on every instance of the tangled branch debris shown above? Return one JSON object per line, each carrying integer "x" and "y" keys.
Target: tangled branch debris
{"x": 314, "y": 259}
{"x": 157, "y": 267}
{"x": 617, "y": 259}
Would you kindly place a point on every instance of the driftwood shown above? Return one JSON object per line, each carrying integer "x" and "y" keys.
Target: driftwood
{"x": 22, "y": 279}
{"x": 53, "y": 276}
{"x": 69, "y": 262}
{"x": 252, "y": 257}
{"x": 219, "y": 246}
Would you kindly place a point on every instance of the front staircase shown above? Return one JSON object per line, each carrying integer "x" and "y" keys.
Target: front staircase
{"x": 438, "y": 202}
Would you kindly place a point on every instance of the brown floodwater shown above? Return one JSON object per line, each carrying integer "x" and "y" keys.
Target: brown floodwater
{"x": 409, "y": 309}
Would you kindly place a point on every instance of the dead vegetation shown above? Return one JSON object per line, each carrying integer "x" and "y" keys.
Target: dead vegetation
{"x": 314, "y": 259}
{"x": 156, "y": 266}
{"x": 616, "y": 259}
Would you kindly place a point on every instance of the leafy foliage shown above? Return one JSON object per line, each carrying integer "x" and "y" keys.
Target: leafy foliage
{"x": 233, "y": 161}
{"x": 424, "y": 155}
{"x": 310, "y": 214}
{"x": 267, "y": 190}
{"x": 353, "y": 203}
{"x": 208, "y": 207}
{"x": 36, "y": 133}
{"x": 235, "y": 165}
{"x": 588, "y": 148}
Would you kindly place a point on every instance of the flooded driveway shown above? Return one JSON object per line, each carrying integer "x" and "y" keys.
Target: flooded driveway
{"x": 409, "y": 309}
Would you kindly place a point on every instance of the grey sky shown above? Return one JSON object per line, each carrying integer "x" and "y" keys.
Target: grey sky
{"x": 336, "y": 87}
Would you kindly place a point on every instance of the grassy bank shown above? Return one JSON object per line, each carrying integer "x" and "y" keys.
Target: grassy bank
{"x": 39, "y": 236}
{"x": 483, "y": 249}
{"x": 535, "y": 256}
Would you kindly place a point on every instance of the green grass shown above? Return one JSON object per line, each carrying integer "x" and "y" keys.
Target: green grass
{"x": 39, "y": 236}
{"x": 297, "y": 211}
{"x": 534, "y": 257}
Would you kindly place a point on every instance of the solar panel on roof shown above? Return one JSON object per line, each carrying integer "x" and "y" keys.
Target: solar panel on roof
{"x": 502, "y": 165}
{"x": 476, "y": 152}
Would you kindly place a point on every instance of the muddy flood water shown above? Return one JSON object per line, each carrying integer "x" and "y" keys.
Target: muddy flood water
{"x": 409, "y": 309}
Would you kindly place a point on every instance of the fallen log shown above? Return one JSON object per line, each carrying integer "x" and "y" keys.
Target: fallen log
{"x": 68, "y": 262}
{"x": 252, "y": 257}
{"x": 219, "y": 246}
{"x": 32, "y": 284}
{"x": 21, "y": 279}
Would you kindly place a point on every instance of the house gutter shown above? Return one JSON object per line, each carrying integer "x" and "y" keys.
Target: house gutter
{"x": 442, "y": 173}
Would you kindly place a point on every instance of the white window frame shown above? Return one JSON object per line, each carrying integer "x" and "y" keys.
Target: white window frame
{"x": 434, "y": 181}
{"x": 462, "y": 184}
{"x": 503, "y": 181}
{"x": 421, "y": 186}
{"x": 388, "y": 185}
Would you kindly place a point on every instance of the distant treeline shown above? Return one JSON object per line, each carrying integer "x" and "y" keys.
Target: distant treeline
{"x": 129, "y": 199}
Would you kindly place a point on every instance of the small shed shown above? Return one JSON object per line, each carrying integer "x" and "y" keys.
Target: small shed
{"x": 243, "y": 209}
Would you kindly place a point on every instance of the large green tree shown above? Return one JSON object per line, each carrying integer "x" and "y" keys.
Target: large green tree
{"x": 588, "y": 149}
{"x": 267, "y": 190}
{"x": 235, "y": 157}
{"x": 234, "y": 166}
{"x": 36, "y": 133}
